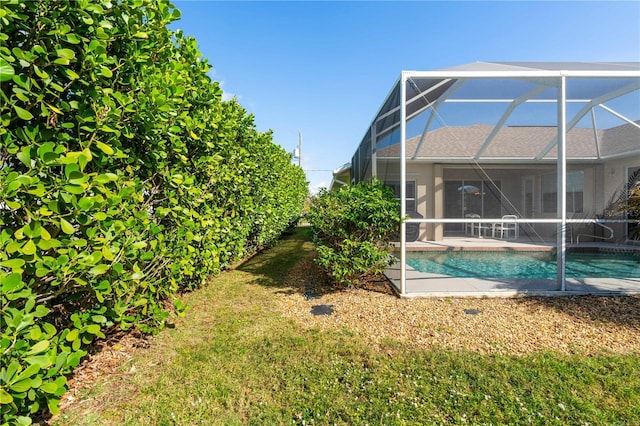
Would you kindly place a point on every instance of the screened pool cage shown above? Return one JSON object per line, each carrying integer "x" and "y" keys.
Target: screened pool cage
{"x": 510, "y": 158}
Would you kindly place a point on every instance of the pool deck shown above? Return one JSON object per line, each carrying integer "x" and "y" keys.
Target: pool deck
{"x": 522, "y": 244}
{"x": 479, "y": 244}
{"x": 420, "y": 284}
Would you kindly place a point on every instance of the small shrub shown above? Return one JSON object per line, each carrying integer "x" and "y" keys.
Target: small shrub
{"x": 353, "y": 228}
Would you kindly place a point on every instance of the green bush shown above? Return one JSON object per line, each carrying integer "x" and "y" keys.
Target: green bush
{"x": 353, "y": 228}
{"x": 125, "y": 179}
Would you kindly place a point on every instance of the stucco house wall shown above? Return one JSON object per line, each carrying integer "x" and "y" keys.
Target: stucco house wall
{"x": 601, "y": 183}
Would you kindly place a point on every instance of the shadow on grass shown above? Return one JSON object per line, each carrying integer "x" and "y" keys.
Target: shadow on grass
{"x": 623, "y": 310}
{"x": 290, "y": 267}
{"x": 279, "y": 259}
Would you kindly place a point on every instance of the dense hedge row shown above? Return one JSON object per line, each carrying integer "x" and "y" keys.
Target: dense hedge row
{"x": 353, "y": 228}
{"x": 125, "y": 179}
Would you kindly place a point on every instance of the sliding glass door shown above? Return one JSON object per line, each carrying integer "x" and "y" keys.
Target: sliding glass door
{"x": 464, "y": 197}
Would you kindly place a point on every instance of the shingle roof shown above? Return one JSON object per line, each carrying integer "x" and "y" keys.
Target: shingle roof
{"x": 429, "y": 86}
{"x": 621, "y": 139}
{"x": 518, "y": 142}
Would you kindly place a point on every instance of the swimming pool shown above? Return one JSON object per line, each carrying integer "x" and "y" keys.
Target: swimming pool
{"x": 526, "y": 264}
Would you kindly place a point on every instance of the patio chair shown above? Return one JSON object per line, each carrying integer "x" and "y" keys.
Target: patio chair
{"x": 506, "y": 227}
{"x": 469, "y": 227}
{"x": 478, "y": 229}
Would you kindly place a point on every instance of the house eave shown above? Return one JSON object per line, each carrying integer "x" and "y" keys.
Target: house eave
{"x": 621, "y": 155}
{"x": 492, "y": 160}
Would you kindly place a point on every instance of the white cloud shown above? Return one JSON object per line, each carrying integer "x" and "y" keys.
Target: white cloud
{"x": 314, "y": 189}
{"x": 226, "y": 95}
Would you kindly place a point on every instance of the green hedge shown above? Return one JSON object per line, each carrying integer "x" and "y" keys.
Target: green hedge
{"x": 352, "y": 228}
{"x": 125, "y": 179}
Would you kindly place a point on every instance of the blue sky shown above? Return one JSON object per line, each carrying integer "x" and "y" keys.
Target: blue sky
{"x": 324, "y": 68}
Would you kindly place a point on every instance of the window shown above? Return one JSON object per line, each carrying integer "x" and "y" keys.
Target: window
{"x": 410, "y": 193}
{"x": 575, "y": 192}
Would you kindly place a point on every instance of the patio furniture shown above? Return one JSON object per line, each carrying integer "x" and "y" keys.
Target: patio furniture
{"x": 507, "y": 227}
{"x": 468, "y": 227}
{"x": 477, "y": 229}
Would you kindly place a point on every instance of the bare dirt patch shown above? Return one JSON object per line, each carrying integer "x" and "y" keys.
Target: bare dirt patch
{"x": 105, "y": 361}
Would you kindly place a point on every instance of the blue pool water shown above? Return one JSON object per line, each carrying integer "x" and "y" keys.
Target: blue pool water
{"x": 525, "y": 264}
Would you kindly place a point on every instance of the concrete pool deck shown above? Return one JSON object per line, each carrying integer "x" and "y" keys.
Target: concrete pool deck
{"x": 421, "y": 284}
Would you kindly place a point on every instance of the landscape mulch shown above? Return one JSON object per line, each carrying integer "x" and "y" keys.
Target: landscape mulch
{"x": 512, "y": 326}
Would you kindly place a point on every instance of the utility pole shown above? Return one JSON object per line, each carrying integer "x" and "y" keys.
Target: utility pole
{"x": 300, "y": 149}
{"x": 297, "y": 152}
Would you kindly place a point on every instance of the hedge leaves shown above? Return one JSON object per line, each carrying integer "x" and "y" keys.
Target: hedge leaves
{"x": 125, "y": 179}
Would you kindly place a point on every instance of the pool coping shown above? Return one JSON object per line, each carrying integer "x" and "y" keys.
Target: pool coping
{"x": 418, "y": 287}
{"x": 488, "y": 245}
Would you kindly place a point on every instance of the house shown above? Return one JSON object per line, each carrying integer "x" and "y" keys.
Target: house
{"x": 341, "y": 177}
{"x": 441, "y": 182}
{"x": 552, "y": 145}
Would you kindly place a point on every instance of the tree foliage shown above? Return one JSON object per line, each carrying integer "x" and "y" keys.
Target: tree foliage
{"x": 125, "y": 179}
{"x": 625, "y": 204}
{"x": 632, "y": 208}
{"x": 633, "y": 198}
{"x": 352, "y": 228}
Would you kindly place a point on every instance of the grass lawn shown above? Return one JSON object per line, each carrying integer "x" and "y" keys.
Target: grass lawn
{"x": 237, "y": 359}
